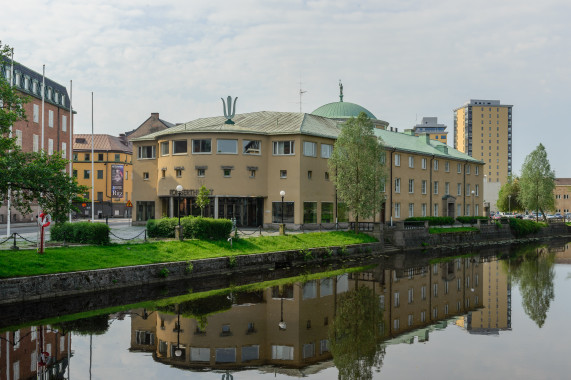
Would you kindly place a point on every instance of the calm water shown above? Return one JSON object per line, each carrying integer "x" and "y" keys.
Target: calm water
{"x": 472, "y": 317}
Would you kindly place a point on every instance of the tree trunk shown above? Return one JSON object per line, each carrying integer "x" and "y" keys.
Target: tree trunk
{"x": 357, "y": 223}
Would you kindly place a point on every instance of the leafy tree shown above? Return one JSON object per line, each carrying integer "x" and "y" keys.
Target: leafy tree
{"x": 203, "y": 199}
{"x": 31, "y": 176}
{"x": 359, "y": 172}
{"x": 355, "y": 335}
{"x": 506, "y": 203}
{"x": 537, "y": 182}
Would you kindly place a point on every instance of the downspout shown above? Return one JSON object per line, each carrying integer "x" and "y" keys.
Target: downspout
{"x": 391, "y": 186}
{"x": 431, "y": 190}
{"x": 464, "y": 179}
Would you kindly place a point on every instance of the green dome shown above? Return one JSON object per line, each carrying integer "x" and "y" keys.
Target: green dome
{"x": 342, "y": 110}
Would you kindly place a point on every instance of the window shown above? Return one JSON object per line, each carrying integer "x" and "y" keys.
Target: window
{"x": 447, "y": 188}
{"x": 75, "y": 173}
{"x": 309, "y": 212}
{"x": 327, "y": 212}
{"x": 36, "y": 145}
{"x": 467, "y": 210}
{"x": 287, "y": 212}
{"x": 435, "y": 290}
{"x": 435, "y": 209}
{"x": 459, "y": 189}
{"x": 99, "y": 156}
{"x": 164, "y": 148}
{"x": 64, "y": 123}
{"x": 164, "y": 173}
{"x": 252, "y": 173}
{"x": 226, "y": 146}
{"x": 284, "y": 148}
{"x": 467, "y": 169}
{"x": 147, "y": 151}
{"x": 477, "y": 170}
{"x": 423, "y": 292}
{"x": 435, "y": 187}
{"x": 178, "y": 173}
{"x": 459, "y": 210}
{"x": 410, "y": 161}
{"x": 435, "y": 165}
{"x": 447, "y": 166}
{"x": 423, "y": 209}
{"x": 283, "y": 173}
{"x": 326, "y": 150}
{"x": 468, "y": 189}
{"x": 410, "y": 295}
{"x": 50, "y": 146}
{"x": 36, "y": 113}
{"x": 309, "y": 149}
{"x": 423, "y": 186}
{"x": 423, "y": 163}
{"x": 202, "y": 146}
{"x": 201, "y": 172}
{"x": 327, "y": 176}
{"x": 179, "y": 147}
{"x": 477, "y": 189}
{"x": 397, "y": 185}
{"x": 397, "y": 210}
{"x": 309, "y": 174}
{"x": 397, "y": 299}
{"x": 397, "y": 159}
{"x": 18, "y": 137}
{"x": 146, "y": 176}
{"x": 227, "y": 172}
{"x": 100, "y": 174}
{"x": 100, "y": 196}
{"x": 282, "y": 353}
{"x": 251, "y": 147}
{"x": 50, "y": 118}
{"x": 86, "y": 157}
{"x": 459, "y": 166}
{"x": 410, "y": 210}
{"x": 411, "y": 185}
{"x": 86, "y": 174}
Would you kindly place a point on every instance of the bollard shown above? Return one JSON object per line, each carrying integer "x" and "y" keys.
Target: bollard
{"x": 14, "y": 247}
{"x": 260, "y": 227}
{"x": 145, "y": 235}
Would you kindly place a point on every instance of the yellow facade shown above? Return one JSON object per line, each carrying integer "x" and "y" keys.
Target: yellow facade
{"x": 562, "y": 195}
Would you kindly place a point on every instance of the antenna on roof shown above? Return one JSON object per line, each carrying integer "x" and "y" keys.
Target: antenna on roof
{"x": 301, "y": 92}
{"x": 340, "y": 91}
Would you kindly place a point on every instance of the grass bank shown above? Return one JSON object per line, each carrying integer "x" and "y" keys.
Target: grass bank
{"x": 71, "y": 259}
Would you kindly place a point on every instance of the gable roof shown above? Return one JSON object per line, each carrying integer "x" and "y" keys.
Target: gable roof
{"x": 82, "y": 142}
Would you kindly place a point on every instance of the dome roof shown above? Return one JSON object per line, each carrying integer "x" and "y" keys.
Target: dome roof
{"x": 342, "y": 110}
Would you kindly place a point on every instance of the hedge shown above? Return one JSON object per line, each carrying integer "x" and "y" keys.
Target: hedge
{"x": 521, "y": 228}
{"x": 433, "y": 220}
{"x": 81, "y": 232}
{"x": 192, "y": 228}
{"x": 470, "y": 219}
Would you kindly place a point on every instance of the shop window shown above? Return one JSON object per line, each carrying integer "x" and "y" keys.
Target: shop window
{"x": 288, "y": 212}
{"x": 309, "y": 212}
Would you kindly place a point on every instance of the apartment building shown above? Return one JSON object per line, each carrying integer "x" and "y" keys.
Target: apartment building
{"x": 430, "y": 126}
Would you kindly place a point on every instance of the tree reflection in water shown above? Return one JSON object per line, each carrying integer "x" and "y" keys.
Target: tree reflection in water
{"x": 356, "y": 334}
{"x": 534, "y": 273}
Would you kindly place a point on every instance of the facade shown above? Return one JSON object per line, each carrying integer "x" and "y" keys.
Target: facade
{"x": 48, "y": 126}
{"x": 245, "y": 165}
{"x": 113, "y": 181}
{"x": 430, "y": 126}
{"x": 151, "y": 125}
{"x": 562, "y": 195}
{"x": 483, "y": 130}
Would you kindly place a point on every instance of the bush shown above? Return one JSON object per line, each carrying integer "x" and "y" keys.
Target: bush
{"x": 470, "y": 219}
{"x": 192, "y": 228}
{"x": 81, "y": 232}
{"x": 161, "y": 227}
{"x": 521, "y": 228}
{"x": 433, "y": 220}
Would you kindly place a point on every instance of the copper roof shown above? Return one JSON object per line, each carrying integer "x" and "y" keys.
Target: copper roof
{"x": 82, "y": 142}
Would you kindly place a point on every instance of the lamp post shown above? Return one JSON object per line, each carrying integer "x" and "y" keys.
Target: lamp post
{"x": 509, "y": 203}
{"x": 178, "y": 351}
{"x": 179, "y": 191}
{"x": 473, "y": 209}
{"x": 282, "y": 225}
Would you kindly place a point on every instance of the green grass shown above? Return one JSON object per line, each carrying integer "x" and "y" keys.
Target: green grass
{"x": 437, "y": 230}
{"x": 70, "y": 259}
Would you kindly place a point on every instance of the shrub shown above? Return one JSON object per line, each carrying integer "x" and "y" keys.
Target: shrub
{"x": 81, "y": 232}
{"x": 192, "y": 228}
{"x": 469, "y": 219}
{"x": 521, "y": 228}
{"x": 433, "y": 220}
{"x": 163, "y": 227}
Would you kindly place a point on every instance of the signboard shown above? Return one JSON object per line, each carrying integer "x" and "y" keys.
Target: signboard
{"x": 188, "y": 193}
{"x": 117, "y": 181}
{"x": 129, "y": 204}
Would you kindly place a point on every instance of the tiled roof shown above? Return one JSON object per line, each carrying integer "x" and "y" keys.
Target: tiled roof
{"x": 562, "y": 181}
{"x": 82, "y": 142}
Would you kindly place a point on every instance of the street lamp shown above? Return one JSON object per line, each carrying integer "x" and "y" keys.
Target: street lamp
{"x": 473, "y": 209}
{"x": 509, "y": 203}
{"x": 282, "y": 225}
{"x": 282, "y": 325}
{"x": 179, "y": 191}
{"x": 178, "y": 351}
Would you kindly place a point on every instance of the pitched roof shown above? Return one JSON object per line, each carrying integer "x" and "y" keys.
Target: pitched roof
{"x": 562, "y": 181}
{"x": 82, "y": 142}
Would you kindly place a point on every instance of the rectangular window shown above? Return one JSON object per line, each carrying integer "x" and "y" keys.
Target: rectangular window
{"x": 224, "y": 146}
{"x": 309, "y": 212}
{"x": 282, "y": 353}
{"x": 36, "y": 113}
{"x": 18, "y": 137}
{"x": 423, "y": 163}
{"x": 36, "y": 143}
{"x": 287, "y": 212}
{"x": 477, "y": 189}
{"x": 201, "y": 172}
{"x": 147, "y": 151}
{"x": 397, "y": 210}
{"x": 435, "y": 165}
{"x": 477, "y": 170}
{"x": 435, "y": 187}
{"x": 397, "y": 159}
{"x": 50, "y": 118}
{"x": 397, "y": 185}
{"x": 327, "y": 212}
{"x": 467, "y": 210}
{"x": 397, "y": 299}
{"x": 423, "y": 209}
{"x": 309, "y": 149}
{"x": 410, "y": 210}
{"x": 435, "y": 209}
{"x": 227, "y": 172}
{"x": 459, "y": 210}
{"x": 410, "y": 161}
{"x": 99, "y": 156}
{"x": 86, "y": 174}
{"x": 283, "y": 148}
{"x": 423, "y": 292}
{"x": 86, "y": 157}
{"x": 468, "y": 189}
{"x": 327, "y": 176}
{"x": 447, "y": 166}
{"x": 467, "y": 169}
{"x": 64, "y": 123}
{"x": 476, "y": 210}
{"x": 459, "y": 189}
{"x": 251, "y": 147}
{"x": 283, "y": 173}
{"x": 146, "y": 176}
{"x": 447, "y": 188}
{"x": 201, "y": 146}
{"x": 100, "y": 174}
{"x": 459, "y": 166}
{"x": 50, "y": 146}
{"x": 435, "y": 290}
{"x": 309, "y": 174}
{"x": 410, "y": 295}
{"x": 179, "y": 147}
{"x": 100, "y": 196}
{"x": 165, "y": 148}
{"x": 423, "y": 186}
{"x": 326, "y": 150}
{"x": 411, "y": 186}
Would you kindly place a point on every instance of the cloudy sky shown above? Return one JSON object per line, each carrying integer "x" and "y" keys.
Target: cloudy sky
{"x": 401, "y": 59}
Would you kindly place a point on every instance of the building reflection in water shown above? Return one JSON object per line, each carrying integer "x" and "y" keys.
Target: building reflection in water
{"x": 288, "y": 326}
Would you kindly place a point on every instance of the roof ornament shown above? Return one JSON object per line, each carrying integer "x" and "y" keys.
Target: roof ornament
{"x": 340, "y": 91}
{"x": 229, "y": 115}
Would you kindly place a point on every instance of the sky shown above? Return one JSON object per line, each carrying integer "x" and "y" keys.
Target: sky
{"x": 400, "y": 59}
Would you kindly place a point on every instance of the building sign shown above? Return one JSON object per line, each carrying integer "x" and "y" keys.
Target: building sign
{"x": 117, "y": 181}
{"x": 188, "y": 193}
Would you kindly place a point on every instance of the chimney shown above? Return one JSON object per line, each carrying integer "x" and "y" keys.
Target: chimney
{"x": 155, "y": 115}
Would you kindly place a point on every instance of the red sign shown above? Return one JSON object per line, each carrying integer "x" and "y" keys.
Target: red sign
{"x": 129, "y": 204}
{"x": 84, "y": 205}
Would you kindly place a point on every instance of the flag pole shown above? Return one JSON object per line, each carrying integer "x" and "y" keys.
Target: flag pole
{"x": 9, "y": 212}
{"x": 70, "y": 138}
{"x": 92, "y": 167}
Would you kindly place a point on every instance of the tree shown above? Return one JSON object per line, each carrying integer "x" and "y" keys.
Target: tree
{"x": 359, "y": 171}
{"x": 537, "y": 182}
{"x": 506, "y": 203}
{"x": 203, "y": 199}
{"x": 30, "y": 176}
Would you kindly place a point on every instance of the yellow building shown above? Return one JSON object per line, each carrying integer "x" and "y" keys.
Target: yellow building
{"x": 483, "y": 130}
{"x": 112, "y": 174}
{"x": 562, "y": 193}
{"x": 430, "y": 126}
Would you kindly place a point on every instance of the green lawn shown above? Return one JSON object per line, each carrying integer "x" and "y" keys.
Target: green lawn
{"x": 57, "y": 260}
{"x": 439, "y": 230}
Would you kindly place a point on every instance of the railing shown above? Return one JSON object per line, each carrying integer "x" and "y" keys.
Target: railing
{"x": 363, "y": 226}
